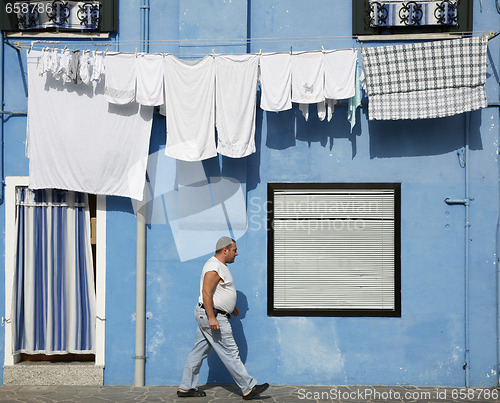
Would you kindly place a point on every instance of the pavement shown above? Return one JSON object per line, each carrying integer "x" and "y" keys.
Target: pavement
{"x": 230, "y": 393}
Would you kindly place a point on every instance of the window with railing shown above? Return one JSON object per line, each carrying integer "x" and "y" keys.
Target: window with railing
{"x": 59, "y": 16}
{"x": 391, "y": 17}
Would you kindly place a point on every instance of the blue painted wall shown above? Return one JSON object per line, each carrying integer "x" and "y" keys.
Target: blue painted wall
{"x": 423, "y": 347}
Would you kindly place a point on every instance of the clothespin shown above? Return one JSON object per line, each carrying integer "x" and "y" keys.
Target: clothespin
{"x": 31, "y": 47}
{"x": 322, "y": 49}
{"x": 361, "y": 46}
{"x": 213, "y": 53}
{"x": 290, "y": 50}
{"x": 106, "y": 52}
{"x": 135, "y": 52}
{"x": 260, "y": 52}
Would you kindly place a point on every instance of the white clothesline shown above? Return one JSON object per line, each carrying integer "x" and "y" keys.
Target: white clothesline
{"x": 212, "y": 42}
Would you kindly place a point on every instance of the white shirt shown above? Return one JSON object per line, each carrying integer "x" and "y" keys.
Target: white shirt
{"x": 224, "y": 296}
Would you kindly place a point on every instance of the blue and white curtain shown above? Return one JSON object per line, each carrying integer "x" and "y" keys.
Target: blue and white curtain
{"x": 54, "y": 296}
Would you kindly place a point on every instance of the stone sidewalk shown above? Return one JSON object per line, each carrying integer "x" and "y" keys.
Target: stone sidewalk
{"x": 230, "y": 393}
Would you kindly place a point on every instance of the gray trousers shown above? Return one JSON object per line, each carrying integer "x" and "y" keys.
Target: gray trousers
{"x": 222, "y": 341}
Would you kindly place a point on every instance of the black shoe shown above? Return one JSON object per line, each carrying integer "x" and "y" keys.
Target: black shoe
{"x": 256, "y": 391}
{"x": 191, "y": 393}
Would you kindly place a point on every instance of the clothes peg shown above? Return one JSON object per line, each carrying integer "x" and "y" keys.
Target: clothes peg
{"x": 31, "y": 47}
{"x": 213, "y": 53}
{"x": 322, "y": 48}
{"x": 260, "y": 52}
{"x": 135, "y": 52}
{"x": 106, "y": 52}
{"x": 290, "y": 50}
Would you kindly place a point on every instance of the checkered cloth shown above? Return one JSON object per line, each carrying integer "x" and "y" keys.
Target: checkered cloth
{"x": 426, "y": 80}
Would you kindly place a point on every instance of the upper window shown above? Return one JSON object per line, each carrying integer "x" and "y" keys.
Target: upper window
{"x": 393, "y": 17}
{"x": 30, "y": 17}
{"x": 334, "y": 249}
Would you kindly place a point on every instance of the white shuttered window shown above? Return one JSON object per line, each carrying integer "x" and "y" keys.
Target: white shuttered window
{"x": 334, "y": 249}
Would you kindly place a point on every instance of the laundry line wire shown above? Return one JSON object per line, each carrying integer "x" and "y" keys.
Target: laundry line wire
{"x": 208, "y": 42}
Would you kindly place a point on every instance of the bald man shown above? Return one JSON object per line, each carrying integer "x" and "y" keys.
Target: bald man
{"x": 216, "y": 303}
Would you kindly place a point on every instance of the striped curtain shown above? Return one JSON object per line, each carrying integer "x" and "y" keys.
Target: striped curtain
{"x": 54, "y": 297}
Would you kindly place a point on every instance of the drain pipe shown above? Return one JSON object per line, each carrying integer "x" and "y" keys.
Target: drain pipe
{"x": 466, "y": 202}
{"x": 2, "y": 101}
{"x": 140, "y": 318}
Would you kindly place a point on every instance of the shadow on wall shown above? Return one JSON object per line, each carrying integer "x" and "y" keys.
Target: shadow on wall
{"x": 412, "y": 138}
{"x": 284, "y": 129}
{"x": 217, "y": 372}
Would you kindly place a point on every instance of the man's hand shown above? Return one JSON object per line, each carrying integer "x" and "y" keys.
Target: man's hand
{"x": 235, "y": 312}
{"x": 214, "y": 323}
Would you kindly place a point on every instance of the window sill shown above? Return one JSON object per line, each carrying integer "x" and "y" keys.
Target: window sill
{"x": 61, "y": 35}
{"x": 410, "y": 37}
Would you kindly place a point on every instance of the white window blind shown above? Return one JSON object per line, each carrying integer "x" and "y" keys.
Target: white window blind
{"x": 333, "y": 249}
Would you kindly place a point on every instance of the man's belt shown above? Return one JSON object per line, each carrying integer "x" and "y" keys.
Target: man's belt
{"x": 216, "y": 311}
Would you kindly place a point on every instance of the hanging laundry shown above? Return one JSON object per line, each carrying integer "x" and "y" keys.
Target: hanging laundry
{"x": 307, "y": 80}
{"x": 44, "y": 64}
{"x": 93, "y": 146}
{"x": 355, "y": 100}
{"x": 121, "y": 76}
{"x": 236, "y": 100}
{"x": 63, "y": 66}
{"x": 97, "y": 64}
{"x": 276, "y": 81}
{"x": 190, "y": 108}
{"x": 54, "y": 63}
{"x": 307, "y": 77}
{"x": 340, "y": 69}
{"x": 84, "y": 67}
{"x": 149, "y": 80}
{"x": 74, "y": 67}
{"x": 425, "y": 80}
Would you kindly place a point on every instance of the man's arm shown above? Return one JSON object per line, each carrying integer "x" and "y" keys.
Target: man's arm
{"x": 210, "y": 281}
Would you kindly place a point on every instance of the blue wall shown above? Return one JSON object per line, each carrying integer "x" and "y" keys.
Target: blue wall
{"x": 425, "y": 346}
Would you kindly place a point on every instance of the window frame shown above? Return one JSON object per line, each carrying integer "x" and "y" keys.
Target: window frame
{"x": 108, "y": 23}
{"x": 272, "y": 311}
{"x": 363, "y": 31}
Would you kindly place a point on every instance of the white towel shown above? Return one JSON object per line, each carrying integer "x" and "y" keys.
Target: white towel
{"x": 44, "y": 63}
{"x": 63, "y": 67}
{"x": 236, "y": 99}
{"x": 78, "y": 141}
{"x": 190, "y": 108}
{"x": 149, "y": 80}
{"x": 121, "y": 76}
{"x": 340, "y": 71}
{"x": 54, "y": 63}
{"x": 84, "y": 71}
{"x": 307, "y": 78}
{"x": 97, "y": 67}
{"x": 276, "y": 82}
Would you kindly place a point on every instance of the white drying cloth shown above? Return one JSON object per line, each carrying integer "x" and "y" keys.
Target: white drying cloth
{"x": 276, "y": 82}
{"x": 84, "y": 72}
{"x": 120, "y": 80}
{"x": 97, "y": 66}
{"x": 340, "y": 73}
{"x": 307, "y": 78}
{"x": 190, "y": 108}
{"x": 236, "y": 99}
{"x": 78, "y": 141}
{"x": 149, "y": 80}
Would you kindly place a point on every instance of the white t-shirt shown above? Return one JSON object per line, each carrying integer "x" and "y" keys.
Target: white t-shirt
{"x": 224, "y": 296}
